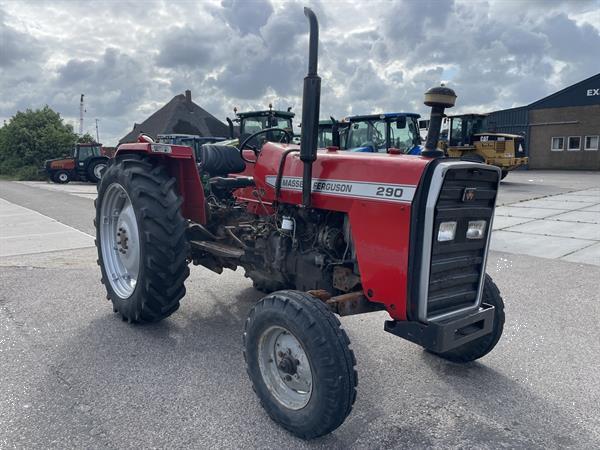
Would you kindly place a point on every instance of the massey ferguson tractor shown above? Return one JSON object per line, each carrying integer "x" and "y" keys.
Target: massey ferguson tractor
{"x": 323, "y": 233}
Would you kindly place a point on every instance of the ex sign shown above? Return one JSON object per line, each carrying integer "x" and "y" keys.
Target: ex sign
{"x": 592, "y": 92}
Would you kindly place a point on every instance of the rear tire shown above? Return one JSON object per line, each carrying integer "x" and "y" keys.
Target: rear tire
{"x": 300, "y": 364}
{"x": 61, "y": 177}
{"x": 504, "y": 174}
{"x": 136, "y": 196}
{"x": 96, "y": 169}
{"x": 482, "y": 346}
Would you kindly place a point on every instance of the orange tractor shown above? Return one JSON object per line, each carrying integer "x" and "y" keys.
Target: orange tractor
{"x": 87, "y": 163}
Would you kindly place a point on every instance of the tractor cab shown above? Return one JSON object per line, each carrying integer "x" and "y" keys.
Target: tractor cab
{"x": 462, "y": 128}
{"x": 330, "y": 132}
{"x": 378, "y": 133}
{"x": 251, "y": 122}
{"x": 82, "y": 152}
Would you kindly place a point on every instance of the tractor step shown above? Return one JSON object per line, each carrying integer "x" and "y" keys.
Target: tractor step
{"x": 218, "y": 249}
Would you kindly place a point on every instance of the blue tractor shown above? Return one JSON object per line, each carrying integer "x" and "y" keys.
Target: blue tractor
{"x": 378, "y": 133}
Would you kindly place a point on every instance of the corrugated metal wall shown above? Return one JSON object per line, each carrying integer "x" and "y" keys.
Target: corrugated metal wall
{"x": 508, "y": 121}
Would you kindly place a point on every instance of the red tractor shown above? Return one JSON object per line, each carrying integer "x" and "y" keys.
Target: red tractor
{"x": 323, "y": 233}
{"x": 87, "y": 163}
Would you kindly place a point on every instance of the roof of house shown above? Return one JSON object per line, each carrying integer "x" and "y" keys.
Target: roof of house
{"x": 180, "y": 116}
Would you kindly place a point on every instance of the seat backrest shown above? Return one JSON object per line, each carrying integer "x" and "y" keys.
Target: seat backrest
{"x": 219, "y": 160}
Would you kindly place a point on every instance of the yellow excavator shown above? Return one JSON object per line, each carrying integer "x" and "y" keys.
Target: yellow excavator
{"x": 467, "y": 140}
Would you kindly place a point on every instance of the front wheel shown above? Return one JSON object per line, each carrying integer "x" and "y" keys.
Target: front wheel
{"x": 480, "y": 347}
{"x": 61, "y": 177}
{"x": 300, "y": 363}
{"x": 140, "y": 236}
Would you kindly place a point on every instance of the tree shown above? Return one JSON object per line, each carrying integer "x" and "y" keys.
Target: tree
{"x": 87, "y": 138}
{"x": 30, "y": 138}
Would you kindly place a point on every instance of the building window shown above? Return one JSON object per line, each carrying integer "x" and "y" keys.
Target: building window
{"x": 591, "y": 143}
{"x": 558, "y": 144}
{"x": 574, "y": 143}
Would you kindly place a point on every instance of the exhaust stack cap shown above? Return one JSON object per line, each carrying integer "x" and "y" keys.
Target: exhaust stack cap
{"x": 440, "y": 96}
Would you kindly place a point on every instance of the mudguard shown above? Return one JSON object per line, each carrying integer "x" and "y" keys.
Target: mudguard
{"x": 181, "y": 164}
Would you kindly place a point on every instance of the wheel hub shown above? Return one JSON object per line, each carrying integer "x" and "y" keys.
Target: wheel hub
{"x": 119, "y": 237}
{"x": 285, "y": 367}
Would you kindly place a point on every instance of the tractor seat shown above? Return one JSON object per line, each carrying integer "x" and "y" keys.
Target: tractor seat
{"x": 220, "y": 160}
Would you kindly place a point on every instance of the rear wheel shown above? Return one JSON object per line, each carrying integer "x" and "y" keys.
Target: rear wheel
{"x": 482, "y": 346}
{"x": 300, "y": 363}
{"x": 504, "y": 174}
{"x": 61, "y": 177}
{"x": 140, "y": 236}
{"x": 96, "y": 169}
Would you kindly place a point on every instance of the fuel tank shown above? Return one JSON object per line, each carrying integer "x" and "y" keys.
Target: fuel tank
{"x": 375, "y": 190}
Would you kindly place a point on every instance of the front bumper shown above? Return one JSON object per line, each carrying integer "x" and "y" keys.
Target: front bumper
{"x": 443, "y": 335}
{"x": 509, "y": 163}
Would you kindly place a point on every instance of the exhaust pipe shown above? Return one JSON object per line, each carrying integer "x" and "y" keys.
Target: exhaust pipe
{"x": 311, "y": 100}
{"x": 230, "y": 122}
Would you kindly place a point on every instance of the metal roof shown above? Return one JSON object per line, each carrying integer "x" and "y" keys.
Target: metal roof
{"x": 267, "y": 112}
{"x": 381, "y": 116}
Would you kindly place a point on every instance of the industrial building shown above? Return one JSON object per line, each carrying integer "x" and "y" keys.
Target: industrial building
{"x": 562, "y": 131}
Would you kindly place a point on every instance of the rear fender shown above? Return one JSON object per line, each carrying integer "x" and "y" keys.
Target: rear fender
{"x": 181, "y": 164}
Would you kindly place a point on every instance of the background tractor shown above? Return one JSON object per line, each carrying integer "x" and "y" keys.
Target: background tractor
{"x": 250, "y": 122}
{"x": 468, "y": 140}
{"x": 330, "y": 133}
{"x": 323, "y": 233}
{"x": 87, "y": 164}
{"x": 377, "y": 133}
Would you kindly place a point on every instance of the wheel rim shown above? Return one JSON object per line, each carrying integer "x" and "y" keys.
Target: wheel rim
{"x": 99, "y": 170}
{"x": 119, "y": 238}
{"x": 62, "y": 176}
{"x": 285, "y": 368}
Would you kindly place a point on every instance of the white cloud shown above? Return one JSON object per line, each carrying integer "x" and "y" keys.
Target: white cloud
{"x": 129, "y": 58}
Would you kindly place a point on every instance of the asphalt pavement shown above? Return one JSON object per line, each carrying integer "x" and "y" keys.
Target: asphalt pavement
{"x": 73, "y": 375}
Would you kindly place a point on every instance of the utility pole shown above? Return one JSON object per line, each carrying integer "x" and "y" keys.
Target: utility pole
{"x": 97, "y": 135}
{"x": 81, "y": 116}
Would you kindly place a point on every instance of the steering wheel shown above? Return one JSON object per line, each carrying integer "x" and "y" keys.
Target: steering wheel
{"x": 286, "y": 134}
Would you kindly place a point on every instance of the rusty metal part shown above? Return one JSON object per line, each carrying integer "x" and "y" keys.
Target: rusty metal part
{"x": 218, "y": 249}
{"x": 345, "y": 279}
{"x": 321, "y": 294}
{"x": 347, "y": 304}
{"x": 204, "y": 232}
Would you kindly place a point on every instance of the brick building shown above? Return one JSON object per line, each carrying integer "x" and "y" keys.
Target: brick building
{"x": 562, "y": 131}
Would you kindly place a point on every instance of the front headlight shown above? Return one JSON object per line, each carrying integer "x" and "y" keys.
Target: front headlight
{"x": 446, "y": 231}
{"x": 476, "y": 229}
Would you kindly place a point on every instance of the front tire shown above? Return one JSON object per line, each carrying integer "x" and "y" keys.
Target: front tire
{"x": 140, "y": 237}
{"x": 61, "y": 177}
{"x": 480, "y": 347}
{"x": 300, "y": 364}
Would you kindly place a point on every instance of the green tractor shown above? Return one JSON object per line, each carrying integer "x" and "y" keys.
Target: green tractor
{"x": 252, "y": 121}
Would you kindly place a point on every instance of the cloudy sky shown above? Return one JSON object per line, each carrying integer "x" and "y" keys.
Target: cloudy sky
{"x": 131, "y": 57}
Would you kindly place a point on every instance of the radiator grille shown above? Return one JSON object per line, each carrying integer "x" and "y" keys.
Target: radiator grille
{"x": 457, "y": 266}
